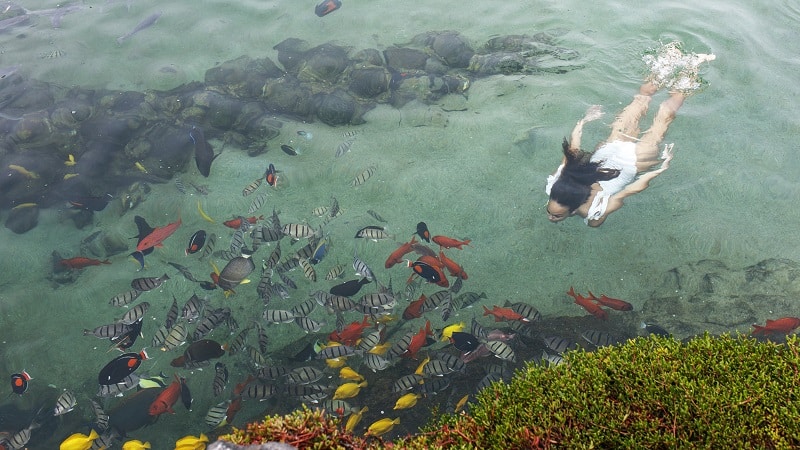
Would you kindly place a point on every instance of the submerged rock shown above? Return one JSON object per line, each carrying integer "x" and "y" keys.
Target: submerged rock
{"x": 22, "y": 220}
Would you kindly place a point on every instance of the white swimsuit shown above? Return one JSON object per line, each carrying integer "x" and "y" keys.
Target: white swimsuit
{"x": 617, "y": 155}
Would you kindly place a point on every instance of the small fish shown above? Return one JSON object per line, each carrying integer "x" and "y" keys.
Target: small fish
{"x": 23, "y": 171}
{"x": 134, "y": 314}
{"x": 306, "y": 134}
{"x": 448, "y": 331}
{"x": 271, "y": 176}
{"x": 180, "y": 186}
{"x": 362, "y": 269}
{"x": 784, "y": 325}
{"x": 407, "y": 401}
{"x": 70, "y": 160}
{"x": 257, "y": 203}
{"x": 348, "y": 390}
{"x": 372, "y": 232}
{"x": 193, "y": 442}
{"x": 78, "y": 441}
{"x": 184, "y": 271}
{"x": 288, "y": 150}
{"x": 196, "y": 242}
{"x": 323, "y": 9}
{"x": 613, "y": 303}
{"x": 349, "y": 288}
{"x": 19, "y": 382}
{"x": 464, "y": 342}
{"x": 448, "y": 242}
{"x": 250, "y": 188}
{"x": 376, "y": 216}
{"x": 147, "y": 22}
{"x": 67, "y": 176}
{"x": 343, "y": 148}
{"x": 65, "y": 403}
{"x": 148, "y": 283}
{"x": 120, "y": 367}
{"x": 80, "y": 262}
{"x": 158, "y": 235}
{"x": 135, "y": 444}
{"x": 363, "y": 176}
{"x": 203, "y": 152}
{"x": 140, "y": 167}
{"x": 384, "y": 425}
{"x": 654, "y": 329}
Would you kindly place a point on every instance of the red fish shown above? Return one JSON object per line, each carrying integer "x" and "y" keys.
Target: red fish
{"x": 587, "y": 304}
{"x": 158, "y": 235}
{"x": 613, "y": 303}
{"x": 453, "y": 267}
{"x": 418, "y": 340}
{"x": 448, "y": 242}
{"x": 501, "y": 314}
{"x": 168, "y": 397}
{"x": 237, "y": 222}
{"x": 412, "y": 311}
{"x": 784, "y": 325}
{"x": 79, "y": 262}
{"x": 239, "y": 388}
{"x": 397, "y": 256}
{"x": 351, "y": 333}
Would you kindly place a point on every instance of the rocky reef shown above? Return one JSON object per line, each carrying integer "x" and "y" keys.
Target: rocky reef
{"x": 65, "y": 143}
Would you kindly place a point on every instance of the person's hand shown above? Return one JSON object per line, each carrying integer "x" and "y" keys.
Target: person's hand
{"x": 666, "y": 157}
{"x": 593, "y": 113}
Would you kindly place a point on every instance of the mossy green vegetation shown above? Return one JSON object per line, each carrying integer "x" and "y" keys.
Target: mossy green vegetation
{"x": 710, "y": 392}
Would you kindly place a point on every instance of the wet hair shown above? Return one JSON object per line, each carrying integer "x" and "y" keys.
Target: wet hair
{"x": 573, "y": 187}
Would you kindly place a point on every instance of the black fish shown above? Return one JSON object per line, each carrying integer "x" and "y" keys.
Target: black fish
{"x": 196, "y": 242}
{"x": 208, "y": 285}
{"x": 422, "y": 231}
{"x": 19, "y": 382}
{"x": 655, "y": 329}
{"x": 186, "y": 396}
{"x": 120, "y": 367}
{"x": 426, "y": 271}
{"x": 327, "y": 7}
{"x": 464, "y": 342}
{"x": 91, "y": 203}
{"x": 288, "y": 150}
{"x": 203, "y": 350}
{"x": 143, "y": 229}
{"x": 306, "y": 354}
{"x": 349, "y": 288}
{"x": 126, "y": 340}
{"x": 203, "y": 152}
{"x": 133, "y": 412}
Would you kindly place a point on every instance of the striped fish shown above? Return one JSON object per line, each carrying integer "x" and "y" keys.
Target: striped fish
{"x": 304, "y": 375}
{"x": 436, "y": 368}
{"x": 468, "y": 298}
{"x": 334, "y": 209}
{"x": 376, "y": 216}
{"x": 372, "y": 232}
{"x": 407, "y": 382}
{"x": 208, "y": 249}
{"x": 363, "y": 176}
{"x": 308, "y": 270}
{"x": 210, "y": 322}
{"x": 192, "y": 308}
{"x": 362, "y": 269}
{"x": 308, "y": 325}
{"x": 336, "y": 351}
{"x": 125, "y": 298}
{"x": 271, "y": 234}
{"x": 134, "y": 314}
{"x": 148, "y": 283}
{"x": 298, "y": 230}
{"x": 237, "y": 242}
{"x": 598, "y": 338}
{"x": 263, "y": 338}
{"x": 172, "y": 314}
{"x": 377, "y": 300}
{"x": 477, "y": 329}
{"x": 350, "y": 133}
{"x": 336, "y": 272}
{"x": 217, "y": 414}
{"x": 258, "y": 359}
{"x": 343, "y": 148}
{"x": 320, "y": 211}
{"x": 176, "y": 337}
{"x": 376, "y": 362}
{"x": 159, "y": 336}
{"x": 271, "y": 372}
{"x": 257, "y": 203}
{"x": 250, "y": 188}
{"x": 525, "y": 310}
{"x": 112, "y": 330}
{"x": 179, "y": 185}
{"x": 65, "y": 403}
{"x": 100, "y": 416}
{"x": 220, "y": 378}
{"x": 116, "y": 390}
{"x": 277, "y": 316}
{"x": 501, "y": 350}
{"x": 238, "y": 342}
{"x": 303, "y": 309}
{"x": 184, "y": 271}
{"x": 273, "y": 259}
{"x": 434, "y": 385}
{"x": 557, "y": 344}
{"x": 400, "y": 347}
{"x": 552, "y": 360}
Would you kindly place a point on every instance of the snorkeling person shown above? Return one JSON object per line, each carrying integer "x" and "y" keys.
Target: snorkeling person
{"x": 593, "y": 185}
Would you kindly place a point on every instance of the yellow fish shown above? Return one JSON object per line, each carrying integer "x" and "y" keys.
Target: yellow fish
{"x": 203, "y": 213}
{"x": 67, "y": 176}
{"x": 448, "y": 331}
{"x": 70, "y": 160}
{"x": 354, "y": 419}
{"x": 348, "y": 390}
{"x": 407, "y": 401}
{"x": 382, "y": 426}
{"x": 335, "y": 363}
{"x": 380, "y": 349}
{"x": 135, "y": 445}
{"x": 79, "y": 441}
{"x": 347, "y": 373}
{"x": 192, "y": 442}
{"x": 140, "y": 167}
{"x": 23, "y": 171}
{"x": 421, "y": 365}
{"x": 24, "y": 205}
{"x": 461, "y": 403}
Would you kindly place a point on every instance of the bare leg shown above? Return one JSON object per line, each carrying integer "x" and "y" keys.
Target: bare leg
{"x": 626, "y": 125}
{"x": 647, "y": 154}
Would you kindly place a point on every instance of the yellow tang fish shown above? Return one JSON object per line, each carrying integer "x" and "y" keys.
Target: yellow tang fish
{"x": 23, "y": 171}
{"x": 448, "y": 331}
{"x": 382, "y": 426}
{"x": 335, "y": 363}
{"x": 380, "y": 349}
{"x": 354, "y": 419}
{"x": 70, "y": 160}
{"x": 349, "y": 374}
{"x": 67, "y": 176}
{"x": 140, "y": 167}
{"x": 461, "y": 403}
{"x": 421, "y": 365}
{"x": 79, "y": 441}
{"x": 348, "y": 390}
{"x": 192, "y": 442}
{"x": 24, "y": 205}
{"x": 203, "y": 213}
{"x": 135, "y": 445}
{"x": 407, "y": 401}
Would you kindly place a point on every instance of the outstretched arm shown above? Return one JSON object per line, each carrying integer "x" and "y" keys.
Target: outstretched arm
{"x": 593, "y": 113}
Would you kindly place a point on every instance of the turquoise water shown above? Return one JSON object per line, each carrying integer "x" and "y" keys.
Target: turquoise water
{"x": 730, "y": 193}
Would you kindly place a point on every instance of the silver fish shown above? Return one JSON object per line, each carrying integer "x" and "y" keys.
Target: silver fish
{"x": 258, "y": 202}
{"x": 308, "y": 325}
{"x": 134, "y": 314}
{"x": 501, "y": 350}
{"x": 146, "y": 23}
{"x": 344, "y": 147}
{"x": 176, "y": 337}
{"x": 100, "y": 416}
{"x": 406, "y": 382}
{"x": 278, "y": 316}
{"x": 65, "y": 403}
{"x": 304, "y": 375}
{"x": 220, "y": 378}
{"x": 250, "y": 188}
{"x": 108, "y": 331}
{"x": 148, "y": 283}
{"x": 363, "y": 176}
{"x": 217, "y": 414}
{"x": 362, "y": 269}
{"x": 125, "y": 298}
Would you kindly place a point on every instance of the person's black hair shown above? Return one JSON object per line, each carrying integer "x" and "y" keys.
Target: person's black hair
{"x": 573, "y": 187}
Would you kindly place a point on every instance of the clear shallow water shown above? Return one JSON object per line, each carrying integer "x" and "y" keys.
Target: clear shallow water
{"x": 729, "y": 195}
